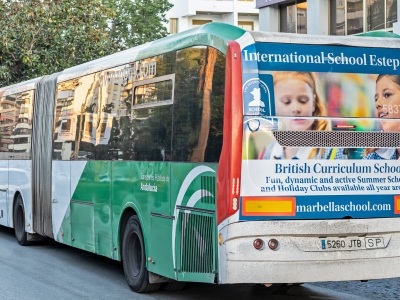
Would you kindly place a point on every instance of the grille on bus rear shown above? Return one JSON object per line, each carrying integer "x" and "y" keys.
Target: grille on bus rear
{"x": 352, "y": 139}
{"x": 196, "y": 242}
{"x": 207, "y": 185}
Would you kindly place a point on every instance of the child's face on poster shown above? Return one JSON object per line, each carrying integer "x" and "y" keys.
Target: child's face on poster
{"x": 387, "y": 103}
{"x": 294, "y": 98}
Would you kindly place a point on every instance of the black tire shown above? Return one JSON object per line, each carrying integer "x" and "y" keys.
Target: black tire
{"x": 134, "y": 258}
{"x": 173, "y": 286}
{"x": 19, "y": 222}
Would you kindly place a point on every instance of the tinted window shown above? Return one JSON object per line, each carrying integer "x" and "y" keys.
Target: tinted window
{"x": 198, "y": 105}
{"x": 355, "y": 16}
{"x": 136, "y": 112}
{"x": 16, "y": 125}
{"x": 153, "y": 92}
{"x": 94, "y": 113}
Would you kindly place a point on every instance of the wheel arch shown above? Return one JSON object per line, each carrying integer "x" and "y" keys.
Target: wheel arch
{"x": 128, "y": 211}
{"x": 16, "y": 194}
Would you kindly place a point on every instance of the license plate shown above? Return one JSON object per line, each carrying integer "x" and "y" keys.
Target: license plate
{"x": 340, "y": 244}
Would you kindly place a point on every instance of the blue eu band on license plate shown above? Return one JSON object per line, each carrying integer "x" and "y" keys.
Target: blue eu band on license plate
{"x": 323, "y": 244}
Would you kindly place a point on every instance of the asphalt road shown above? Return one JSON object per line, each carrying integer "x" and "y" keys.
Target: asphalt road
{"x": 48, "y": 270}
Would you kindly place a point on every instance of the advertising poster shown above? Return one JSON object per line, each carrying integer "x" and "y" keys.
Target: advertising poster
{"x": 321, "y": 132}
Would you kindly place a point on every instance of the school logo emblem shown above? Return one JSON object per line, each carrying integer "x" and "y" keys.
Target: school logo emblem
{"x": 256, "y": 96}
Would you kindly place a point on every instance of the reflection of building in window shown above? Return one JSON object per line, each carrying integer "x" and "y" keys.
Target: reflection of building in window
{"x": 103, "y": 127}
{"x": 153, "y": 92}
{"x": 65, "y": 120}
{"x": 16, "y": 124}
{"x": 246, "y": 25}
{"x": 88, "y": 128}
{"x": 293, "y": 17}
{"x": 355, "y": 17}
{"x": 348, "y": 16}
{"x": 338, "y": 16}
{"x": 7, "y": 121}
{"x": 66, "y": 125}
{"x": 391, "y": 13}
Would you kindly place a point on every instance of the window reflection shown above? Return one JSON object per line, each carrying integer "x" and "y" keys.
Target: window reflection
{"x": 195, "y": 111}
{"x": 302, "y": 17}
{"x": 16, "y": 125}
{"x": 291, "y": 21}
{"x": 376, "y": 14}
{"x": 136, "y": 112}
{"x": 355, "y": 16}
{"x": 293, "y": 17}
{"x": 380, "y": 14}
{"x": 153, "y": 92}
{"x": 337, "y": 25}
{"x": 391, "y": 12}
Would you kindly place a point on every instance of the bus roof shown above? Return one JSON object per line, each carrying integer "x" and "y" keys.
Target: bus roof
{"x": 211, "y": 34}
{"x": 19, "y": 87}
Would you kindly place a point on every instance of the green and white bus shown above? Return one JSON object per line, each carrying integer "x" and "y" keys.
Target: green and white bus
{"x": 214, "y": 155}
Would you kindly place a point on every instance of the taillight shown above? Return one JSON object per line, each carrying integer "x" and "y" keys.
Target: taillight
{"x": 258, "y": 244}
{"x": 229, "y": 167}
{"x": 273, "y": 244}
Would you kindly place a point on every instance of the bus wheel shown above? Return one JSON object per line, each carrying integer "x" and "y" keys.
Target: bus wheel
{"x": 19, "y": 222}
{"x": 134, "y": 258}
{"x": 172, "y": 286}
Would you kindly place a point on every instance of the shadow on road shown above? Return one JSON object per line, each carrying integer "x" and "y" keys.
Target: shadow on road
{"x": 105, "y": 276}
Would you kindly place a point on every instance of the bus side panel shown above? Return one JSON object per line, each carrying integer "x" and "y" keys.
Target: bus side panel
{"x": 61, "y": 196}
{"x": 19, "y": 181}
{"x": 91, "y": 208}
{"x": 145, "y": 188}
{"x": 3, "y": 192}
{"x": 194, "y": 227}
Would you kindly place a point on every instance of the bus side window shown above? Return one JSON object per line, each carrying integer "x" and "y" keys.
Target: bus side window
{"x": 16, "y": 125}
{"x": 198, "y": 69}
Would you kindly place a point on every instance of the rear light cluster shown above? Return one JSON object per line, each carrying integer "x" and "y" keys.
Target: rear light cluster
{"x": 230, "y": 163}
{"x": 259, "y": 244}
{"x": 235, "y": 203}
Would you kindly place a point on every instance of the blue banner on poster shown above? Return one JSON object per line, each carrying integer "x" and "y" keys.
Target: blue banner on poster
{"x": 336, "y": 207}
{"x": 319, "y": 58}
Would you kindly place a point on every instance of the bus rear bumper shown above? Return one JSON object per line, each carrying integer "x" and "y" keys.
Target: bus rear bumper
{"x": 300, "y": 257}
{"x": 316, "y": 271}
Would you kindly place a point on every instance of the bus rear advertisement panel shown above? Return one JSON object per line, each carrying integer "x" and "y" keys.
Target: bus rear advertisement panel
{"x": 320, "y": 132}
{"x": 319, "y": 170}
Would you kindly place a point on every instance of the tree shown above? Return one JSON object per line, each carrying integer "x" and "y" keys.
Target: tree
{"x": 42, "y": 36}
{"x": 138, "y": 21}
{"x": 39, "y": 37}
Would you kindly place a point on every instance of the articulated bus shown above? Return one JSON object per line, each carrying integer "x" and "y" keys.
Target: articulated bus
{"x": 214, "y": 155}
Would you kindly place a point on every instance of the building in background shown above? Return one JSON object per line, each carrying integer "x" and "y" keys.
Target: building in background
{"x": 187, "y": 14}
{"x": 333, "y": 17}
